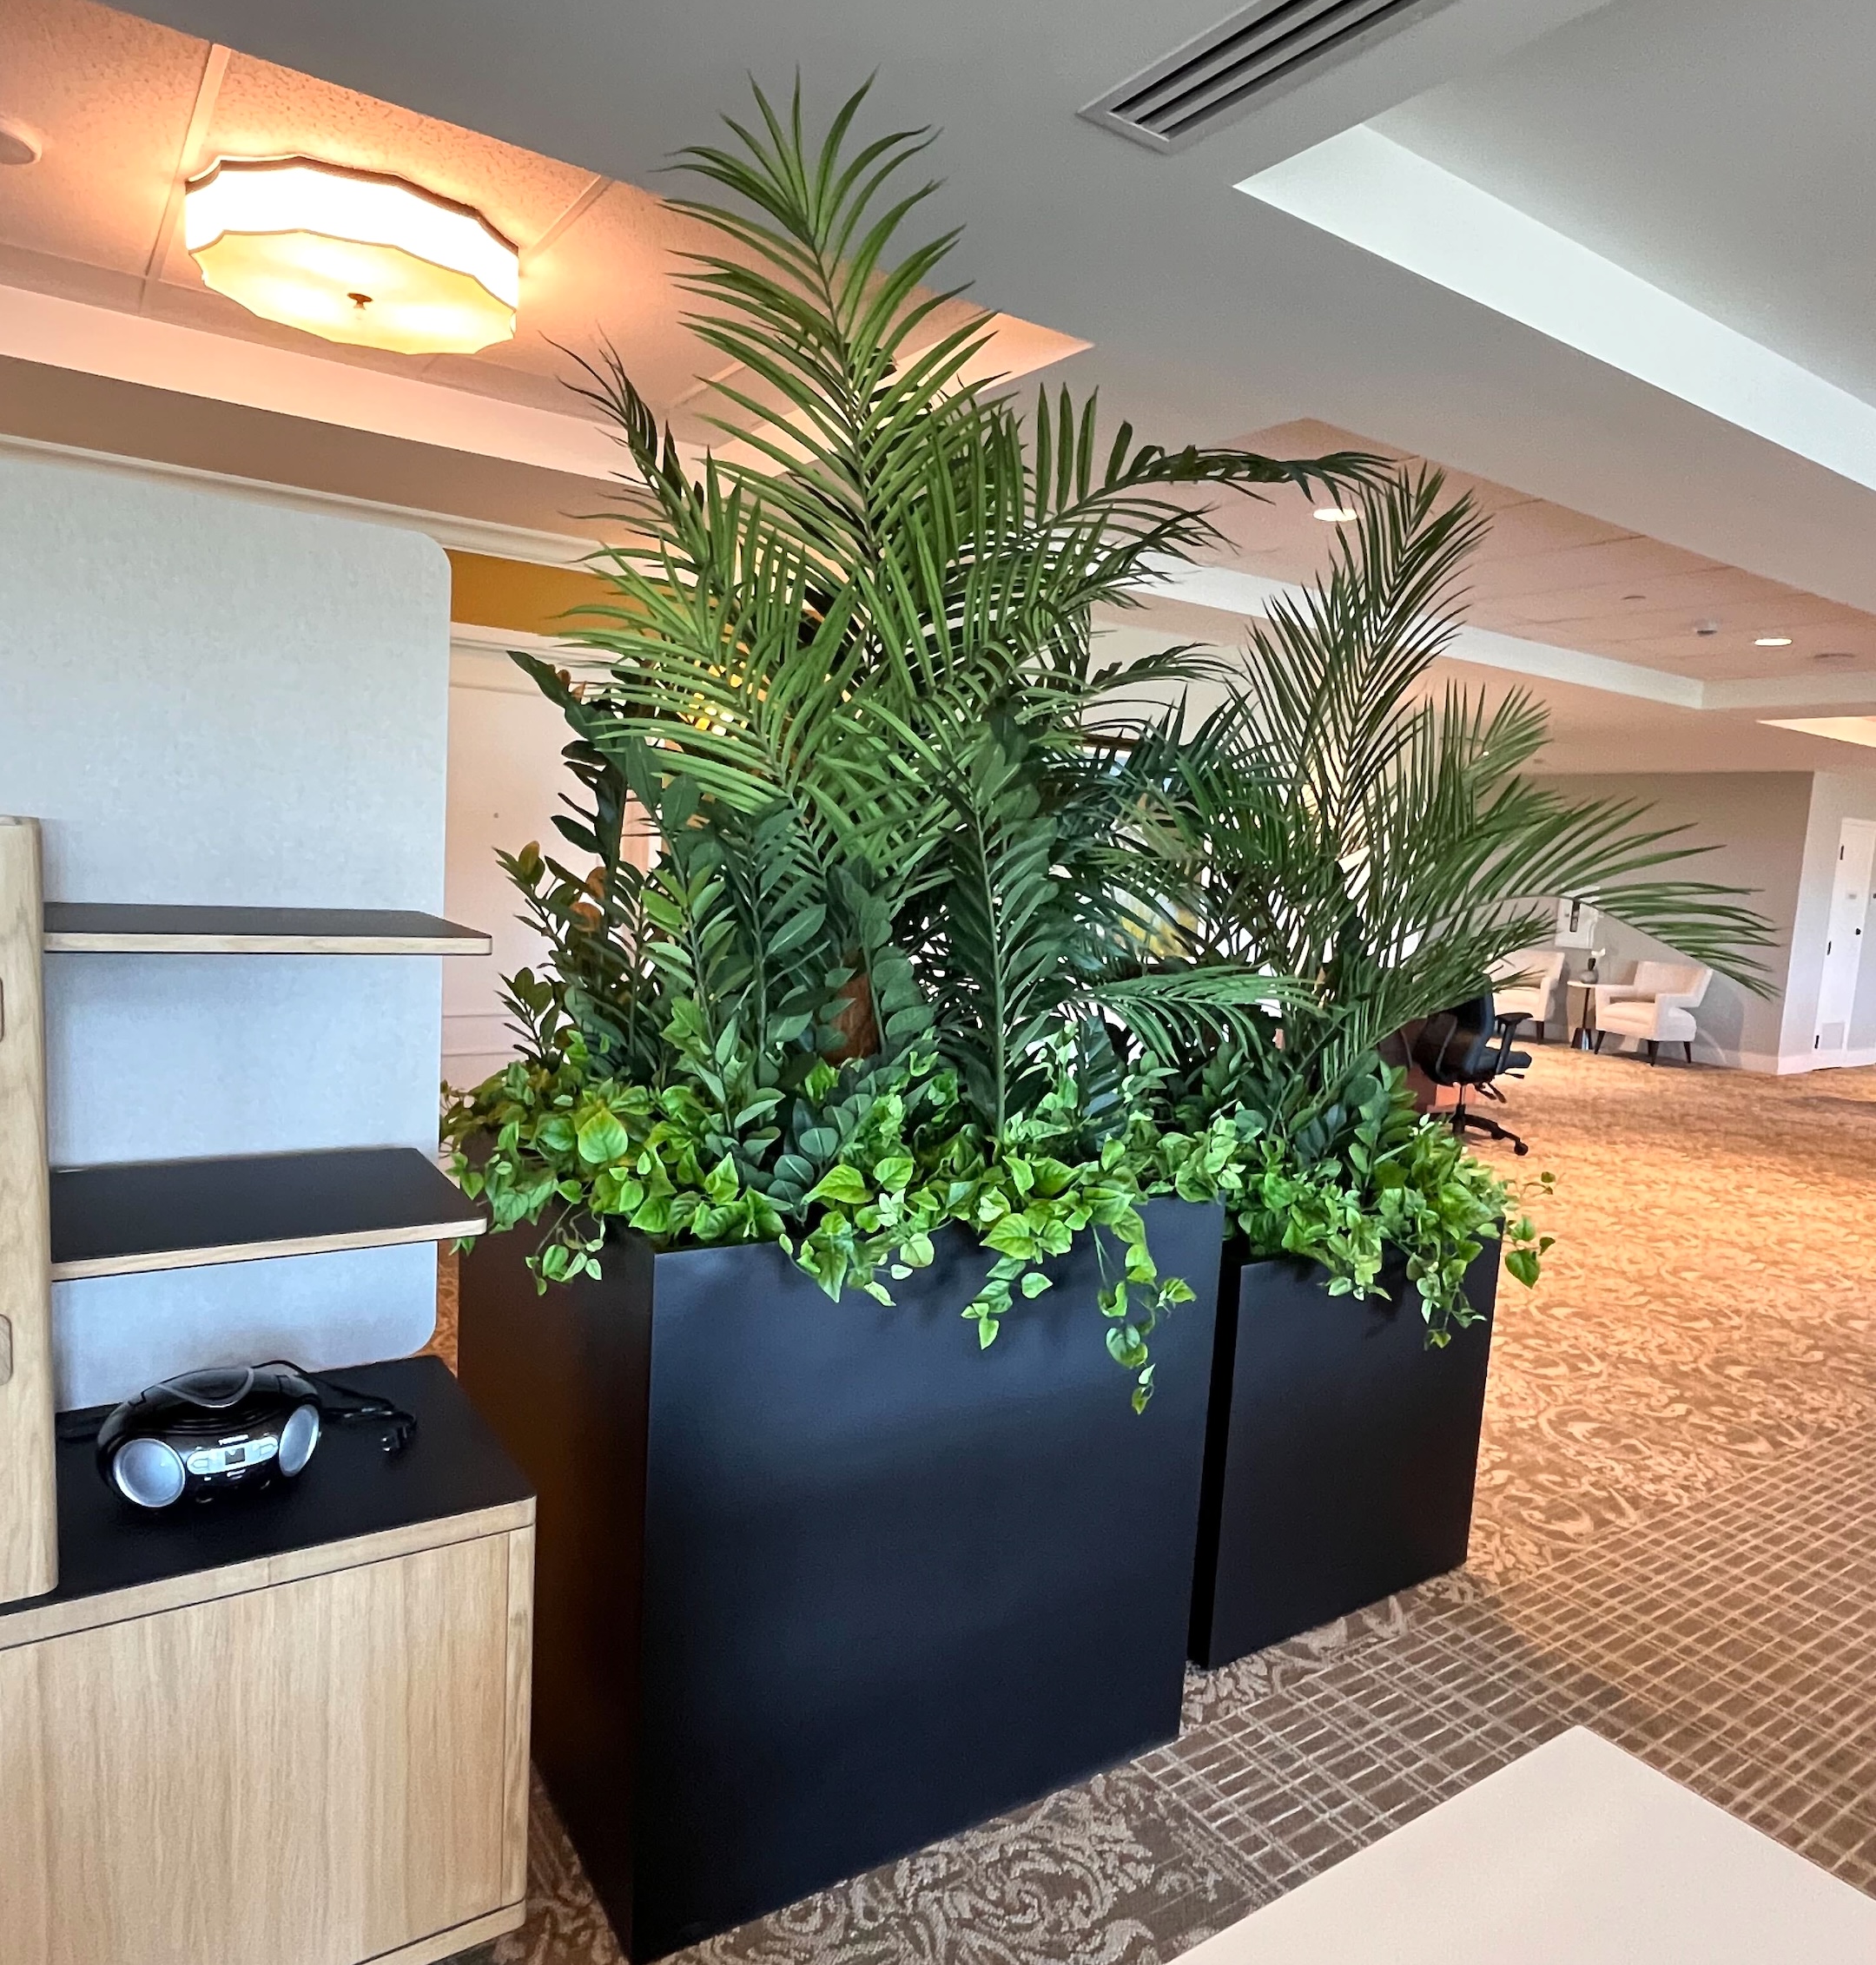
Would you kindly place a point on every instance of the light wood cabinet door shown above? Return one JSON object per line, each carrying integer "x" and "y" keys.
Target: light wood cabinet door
{"x": 311, "y": 1774}
{"x": 28, "y": 1517}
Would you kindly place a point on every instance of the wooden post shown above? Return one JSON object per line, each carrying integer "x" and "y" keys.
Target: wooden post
{"x": 29, "y": 1518}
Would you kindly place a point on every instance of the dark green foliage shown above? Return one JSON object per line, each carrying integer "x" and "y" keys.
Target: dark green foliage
{"x": 881, "y": 976}
{"x": 939, "y": 932}
{"x": 1369, "y": 833}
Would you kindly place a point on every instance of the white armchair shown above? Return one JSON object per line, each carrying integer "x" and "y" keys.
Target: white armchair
{"x": 1535, "y": 996}
{"x": 1656, "y": 1006}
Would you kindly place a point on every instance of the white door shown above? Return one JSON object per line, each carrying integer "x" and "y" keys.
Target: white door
{"x": 1843, "y": 947}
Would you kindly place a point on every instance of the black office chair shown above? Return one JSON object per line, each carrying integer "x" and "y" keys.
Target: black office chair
{"x": 1469, "y": 1046}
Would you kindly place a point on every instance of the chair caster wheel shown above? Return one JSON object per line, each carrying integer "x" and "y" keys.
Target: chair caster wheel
{"x": 1520, "y": 1148}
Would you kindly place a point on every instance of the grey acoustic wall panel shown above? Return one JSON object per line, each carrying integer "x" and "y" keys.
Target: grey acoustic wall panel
{"x": 213, "y": 700}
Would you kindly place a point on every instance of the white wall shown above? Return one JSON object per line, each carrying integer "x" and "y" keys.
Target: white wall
{"x": 212, "y": 700}
{"x": 1756, "y": 823}
{"x": 1835, "y": 796}
{"x": 506, "y": 777}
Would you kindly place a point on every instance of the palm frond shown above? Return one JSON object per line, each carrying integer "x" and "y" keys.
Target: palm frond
{"x": 1376, "y": 840}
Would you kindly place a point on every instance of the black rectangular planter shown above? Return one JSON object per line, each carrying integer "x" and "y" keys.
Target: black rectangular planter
{"x": 1342, "y": 1452}
{"x": 818, "y": 1583}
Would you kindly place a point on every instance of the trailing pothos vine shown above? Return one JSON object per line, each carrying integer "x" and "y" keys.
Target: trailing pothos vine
{"x": 870, "y": 1164}
{"x": 1390, "y": 1179}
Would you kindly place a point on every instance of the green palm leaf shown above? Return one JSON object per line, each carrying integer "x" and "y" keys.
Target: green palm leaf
{"x": 1376, "y": 842}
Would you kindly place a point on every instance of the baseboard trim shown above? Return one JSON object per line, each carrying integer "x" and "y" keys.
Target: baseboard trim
{"x": 1789, "y": 1064}
{"x": 1766, "y": 1063}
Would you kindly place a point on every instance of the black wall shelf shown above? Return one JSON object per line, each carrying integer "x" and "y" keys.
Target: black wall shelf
{"x": 128, "y": 1219}
{"x": 87, "y": 927}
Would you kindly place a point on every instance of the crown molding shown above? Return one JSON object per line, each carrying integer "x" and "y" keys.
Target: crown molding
{"x": 478, "y": 657}
{"x": 447, "y": 528}
{"x": 190, "y": 361}
{"x": 1223, "y": 589}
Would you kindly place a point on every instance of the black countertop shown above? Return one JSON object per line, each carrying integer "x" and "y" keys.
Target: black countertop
{"x": 351, "y": 1486}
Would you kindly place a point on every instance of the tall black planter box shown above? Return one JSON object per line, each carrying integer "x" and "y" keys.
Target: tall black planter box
{"x": 1342, "y": 1454}
{"x": 817, "y": 1583}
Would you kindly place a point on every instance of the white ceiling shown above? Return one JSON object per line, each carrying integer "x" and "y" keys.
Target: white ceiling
{"x": 1591, "y": 729}
{"x": 1721, "y": 148}
{"x": 1209, "y": 314}
{"x": 129, "y": 110}
{"x": 1550, "y": 575}
{"x": 1665, "y": 133}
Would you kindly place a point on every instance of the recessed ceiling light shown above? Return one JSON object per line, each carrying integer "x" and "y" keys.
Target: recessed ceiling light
{"x": 1337, "y": 514}
{"x": 1834, "y": 655}
{"x": 1634, "y": 596}
{"x": 1773, "y": 641}
{"x": 352, "y": 255}
{"x": 18, "y": 144}
{"x": 1706, "y": 627}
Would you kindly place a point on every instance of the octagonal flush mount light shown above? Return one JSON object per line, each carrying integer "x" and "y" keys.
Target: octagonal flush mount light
{"x": 352, "y": 255}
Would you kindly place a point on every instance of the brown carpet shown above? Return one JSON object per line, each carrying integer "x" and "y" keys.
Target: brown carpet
{"x": 1674, "y": 1543}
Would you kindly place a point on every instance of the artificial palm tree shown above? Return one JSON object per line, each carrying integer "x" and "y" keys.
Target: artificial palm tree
{"x": 857, "y": 649}
{"x": 883, "y": 973}
{"x": 1376, "y": 839}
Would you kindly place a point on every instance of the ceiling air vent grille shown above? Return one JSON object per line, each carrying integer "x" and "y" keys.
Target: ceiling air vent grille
{"x": 1260, "y": 51}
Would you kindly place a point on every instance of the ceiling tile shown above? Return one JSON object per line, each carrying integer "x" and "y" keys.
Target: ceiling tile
{"x": 262, "y": 110}
{"x": 111, "y": 96}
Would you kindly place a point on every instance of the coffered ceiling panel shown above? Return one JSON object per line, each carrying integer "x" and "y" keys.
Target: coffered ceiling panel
{"x": 1548, "y": 574}
{"x": 610, "y": 273}
{"x": 262, "y": 109}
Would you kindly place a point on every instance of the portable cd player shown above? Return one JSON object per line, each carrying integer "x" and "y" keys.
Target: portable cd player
{"x": 210, "y": 1432}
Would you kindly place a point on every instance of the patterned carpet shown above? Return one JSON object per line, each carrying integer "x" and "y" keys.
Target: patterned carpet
{"x": 1676, "y": 1543}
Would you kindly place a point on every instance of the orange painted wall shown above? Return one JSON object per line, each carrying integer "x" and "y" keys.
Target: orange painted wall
{"x": 487, "y": 592}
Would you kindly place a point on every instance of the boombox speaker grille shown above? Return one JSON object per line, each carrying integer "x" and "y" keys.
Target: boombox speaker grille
{"x": 148, "y": 1473}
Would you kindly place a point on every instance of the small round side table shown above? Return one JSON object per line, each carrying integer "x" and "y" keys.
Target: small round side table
{"x": 1581, "y": 1001}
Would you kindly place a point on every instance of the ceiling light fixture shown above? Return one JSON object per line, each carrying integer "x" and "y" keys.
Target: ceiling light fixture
{"x": 352, "y": 255}
{"x": 1337, "y": 514}
{"x": 1773, "y": 641}
{"x": 18, "y": 144}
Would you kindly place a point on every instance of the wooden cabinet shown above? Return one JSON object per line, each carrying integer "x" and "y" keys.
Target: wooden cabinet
{"x": 29, "y": 1555}
{"x": 313, "y": 1752}
{"x": 289, "y": 1729}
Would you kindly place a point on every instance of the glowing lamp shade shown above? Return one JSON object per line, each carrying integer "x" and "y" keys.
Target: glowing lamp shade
{"x": 352, "y": 255}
